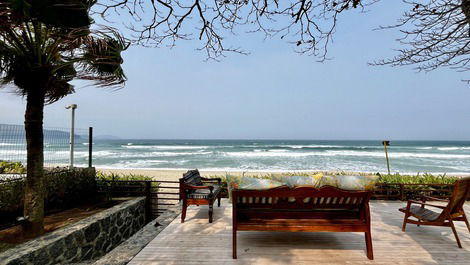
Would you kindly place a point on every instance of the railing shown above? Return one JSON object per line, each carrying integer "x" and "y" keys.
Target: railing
{"x": 403, "y": 192}
{"x": 159, "y": 194}
{"x": 400, "y": 191}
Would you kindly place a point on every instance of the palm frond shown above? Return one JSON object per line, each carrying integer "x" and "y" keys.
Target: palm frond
{"x": 102, "y": 58}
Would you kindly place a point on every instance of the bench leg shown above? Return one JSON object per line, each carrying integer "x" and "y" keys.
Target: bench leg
{"x": 211, "y": 210}
{"x": 370, "y": 251}
{"x": 234, "y": 243}
{"x": 218, "y": 201}
{"x": 183, "y": 212}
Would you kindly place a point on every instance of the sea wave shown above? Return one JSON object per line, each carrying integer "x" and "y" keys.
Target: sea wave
{"x": 312, "y": 146}
{"x": 397, "y": 155}
{"x": 453, "y": 148}
{"x": 11, "y": 144}
{"x": 346, "y": 153}
{"x": 273, "y": 153}
{"x": 114, "y": 154}
{"x": 165, "y": 147}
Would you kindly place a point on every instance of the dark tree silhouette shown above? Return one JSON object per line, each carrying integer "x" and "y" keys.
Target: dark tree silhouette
{"x": 435, "y": 34}
{"x": 45, "y": 44}
{"x": 308, "y": 24}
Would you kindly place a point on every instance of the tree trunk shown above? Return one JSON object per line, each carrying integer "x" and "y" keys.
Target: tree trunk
{"x": 466, "y": 9}
{"x": 34, "y": 191}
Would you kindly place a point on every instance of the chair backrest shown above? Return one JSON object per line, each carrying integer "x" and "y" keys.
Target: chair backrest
{"x": 460, "y": 194}
{"x": 192, "y": 177}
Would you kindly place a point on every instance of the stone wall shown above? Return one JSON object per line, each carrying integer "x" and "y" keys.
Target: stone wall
{"x": 87, "y": 239}
{"x": 123, "y": 253}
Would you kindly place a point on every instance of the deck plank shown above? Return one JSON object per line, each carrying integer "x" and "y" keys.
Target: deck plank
{"x": 198, "y": 242}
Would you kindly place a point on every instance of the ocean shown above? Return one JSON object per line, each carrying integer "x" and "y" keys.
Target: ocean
{"x": 272, "y": 155}
{"x": 451, "y": 157}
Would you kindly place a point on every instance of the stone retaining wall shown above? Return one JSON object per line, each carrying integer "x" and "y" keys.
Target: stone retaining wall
{"x": 123, "y": 253}
{"x": 87, "y": 239}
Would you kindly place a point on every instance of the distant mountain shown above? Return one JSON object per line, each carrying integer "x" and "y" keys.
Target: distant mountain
{"x": 17, "y": 131}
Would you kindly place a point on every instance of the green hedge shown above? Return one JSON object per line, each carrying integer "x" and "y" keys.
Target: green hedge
{"x": 416, "y": 179}
{"x": 64, "y": 189}
{"x": 383, "y": 179}
{"x": 123, "y": 185}
{"x": 11, "y": 167}
{"x": 388, "y": 185}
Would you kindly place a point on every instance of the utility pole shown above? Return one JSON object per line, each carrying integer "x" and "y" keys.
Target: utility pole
{"x": 72, "y": 132}
{"x": 385, "y": 144}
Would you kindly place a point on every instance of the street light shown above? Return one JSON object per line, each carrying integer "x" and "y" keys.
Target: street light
{"x": 72, "y": 131}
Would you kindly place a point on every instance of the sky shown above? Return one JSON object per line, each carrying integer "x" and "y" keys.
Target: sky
{"x": 272, "y": 93}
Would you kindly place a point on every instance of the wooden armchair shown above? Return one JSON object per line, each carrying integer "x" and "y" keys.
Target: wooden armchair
{"x": 196, "y": 190}
{"x": 449, "y": 213}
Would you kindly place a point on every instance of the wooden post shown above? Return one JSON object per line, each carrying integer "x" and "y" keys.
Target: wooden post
{"x": 385, "y": 144}
{"x": 148, "y": 202}
{"x": 90, "y": 146}
{"x": 402, "y": 192}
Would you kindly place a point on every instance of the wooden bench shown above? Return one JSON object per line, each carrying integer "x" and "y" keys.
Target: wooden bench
{"x": 196, "y": 190}
{"x": 301, "y": 209}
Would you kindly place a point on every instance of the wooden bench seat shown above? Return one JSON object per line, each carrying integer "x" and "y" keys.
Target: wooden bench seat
{"x": 302, "y": 209}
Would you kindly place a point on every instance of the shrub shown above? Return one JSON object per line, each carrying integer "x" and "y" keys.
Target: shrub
{"x": 389, "y": 184}
{"x": 383, "y": 179}
{"x": 11, "y": 167}
{"x": 120, "y": 177}
{"x": 416, "y": 179}
{"x": 64, "y": 188}
{"x": 124, "y": 185}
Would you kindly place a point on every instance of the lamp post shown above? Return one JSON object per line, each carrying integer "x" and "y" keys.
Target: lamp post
{"x": 72, "y": 132}
{"x": 385, "y": 144}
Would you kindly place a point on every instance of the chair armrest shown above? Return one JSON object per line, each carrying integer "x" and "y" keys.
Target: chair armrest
{"x": 425, "y": 198}
{"x": 423, "y": 204}
{"x": 209, "y": 180}
{"x": 191, "y": 187}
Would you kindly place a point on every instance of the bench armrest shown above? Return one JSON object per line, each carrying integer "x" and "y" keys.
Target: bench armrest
{"x": 425, "y": 198}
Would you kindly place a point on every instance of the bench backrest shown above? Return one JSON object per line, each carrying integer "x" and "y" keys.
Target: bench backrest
{"x": 192, "y": 177}
{"x": 326, "y": 202}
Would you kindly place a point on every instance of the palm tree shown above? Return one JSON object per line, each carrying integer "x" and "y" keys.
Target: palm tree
{"x": 45, "y": 44}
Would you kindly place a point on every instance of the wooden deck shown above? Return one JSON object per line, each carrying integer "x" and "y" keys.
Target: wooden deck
{"x": 198, "y": 242}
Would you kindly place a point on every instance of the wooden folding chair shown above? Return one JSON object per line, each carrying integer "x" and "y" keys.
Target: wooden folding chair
{"x": 449, "y": 213}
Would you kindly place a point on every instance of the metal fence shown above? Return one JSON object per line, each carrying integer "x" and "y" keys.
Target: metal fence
{"x": 56, "y": 145}
{"x": 159, "y": 194}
